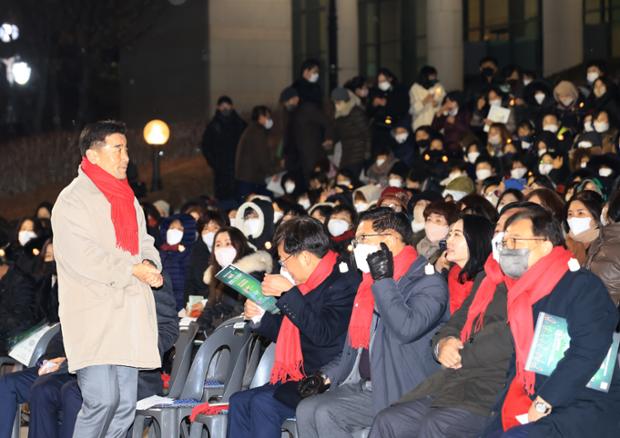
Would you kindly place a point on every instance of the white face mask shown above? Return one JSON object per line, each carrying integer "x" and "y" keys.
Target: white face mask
{"x": 284, "y": 273}
{"x": 566, "y": 101}
{"x": 361, "y": 253}
{"x": 552, "y": 127}
{"x": 583, "y": 164}
{"x": 277, "y": 215}
{"x": 525, "y": 144}
{"x": 601, "y": 126}
{"x": 495, "y": 140}
{"x": 289, "y": 187}
{"x": 545, "y": 169}
{"x": 495, "y": 102}
{"x": 587, "y": 126}
{"x": 518, "y": 172}
{"x": 23, "y": 237}
{"x": 539, "y": 97}
{"x": 269, "y": 124}
{"x": 482, "y": 174}
{"x": 337, "y": 227}
{"x": 605, "y": 172}
{"x": 395, "y": 182}
{"x": 314, "y": 78}
{"x": 380, "y": 161}
{"x": 384, "y": 85}
{"x": 225, "y": 255}
{"x": 401, "y": 138}
{"x": 492, "y": 198}
{"x": 305, "y": 203}
{"x": 208, "y": 239}
{"x": 495, "y": 243}
{"x": 436, "y": 232}
{"x": 584, "y": 145}
{"x": 361, "y": 207}
{"x": 527, "y": 81}
{"x": 456, "y": 194}
{"x": 542, "y": 152}
{"x": 591, "y": 76}
{"x": 252, "y": 226}
{"x": 344, "y": 182}
{"x": 416, "y": 227}
{"x": 174, "y": 236}
{"x": 454, "y": 111}
{"x": 578, "y": 225}
{"x": 472, "y": 156}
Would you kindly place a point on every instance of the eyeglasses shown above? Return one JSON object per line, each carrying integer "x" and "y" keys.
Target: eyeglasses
{"x": 361, "y": 239}
{"x": 283, "y": 262}
{"x": 511, "y": 242}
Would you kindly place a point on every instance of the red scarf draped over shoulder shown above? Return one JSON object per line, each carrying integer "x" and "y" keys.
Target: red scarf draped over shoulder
{"x": 361, "y": 317}
{"x": 121, "y": 199}
{"x": 458, "y": 291}
{"x": 523, "y": 293}
{"x": 289, "y": 359}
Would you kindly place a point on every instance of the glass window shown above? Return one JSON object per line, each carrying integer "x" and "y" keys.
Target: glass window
{"x": 392, "y": 35}
{"x": 310, "y": 35}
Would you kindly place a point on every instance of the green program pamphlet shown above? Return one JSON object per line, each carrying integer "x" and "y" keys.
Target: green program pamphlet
{"x": 551, "y": 340}
{"x": 247, "y": 286}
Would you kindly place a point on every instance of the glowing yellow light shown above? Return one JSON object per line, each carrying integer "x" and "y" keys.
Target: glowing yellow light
{"x": 156, "y": 132}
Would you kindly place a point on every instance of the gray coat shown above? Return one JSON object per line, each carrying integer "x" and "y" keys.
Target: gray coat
{"x": 407, "y": 315}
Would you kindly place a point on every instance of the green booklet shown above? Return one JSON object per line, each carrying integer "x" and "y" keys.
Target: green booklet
{"x": 247, "y": 286}
{"x": 551, "y": 340}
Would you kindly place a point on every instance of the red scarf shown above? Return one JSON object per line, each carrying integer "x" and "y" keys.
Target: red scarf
{"x": 484, "y": 296}
{"x": 121, "y": 199}
{"x": 458, "y": 291}
{"x": 361, "y": 317}
{"x": 289, "y": 360}
{"x": 523, "y": 293}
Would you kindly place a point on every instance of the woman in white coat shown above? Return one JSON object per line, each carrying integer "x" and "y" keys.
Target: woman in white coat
{"x": 425, "y": 95}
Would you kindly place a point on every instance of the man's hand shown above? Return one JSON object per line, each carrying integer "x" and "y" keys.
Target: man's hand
{"x": 251, "y": 309}
{"x": 312, "y": 385}
{"x": 51, "y": 366}
{"x": 147, "y": 273}
{"x": 381, "y": 263}
{"x": 532, "y": 414}
{"x": 449, "y": 352}
{"x": 275, "y": 285}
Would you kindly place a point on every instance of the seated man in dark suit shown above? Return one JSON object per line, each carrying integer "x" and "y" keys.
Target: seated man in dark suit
{"x": 310, "y": 329}
{"x": 50, "y": 389}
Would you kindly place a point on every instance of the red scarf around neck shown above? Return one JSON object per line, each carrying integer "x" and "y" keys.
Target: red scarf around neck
{"x": 361, "y": 317}
{"x": 458, "y": 291}
{"x": 289, "y": 360}
{"x": 121, "y": 199}
{"x": 523, "y": 293}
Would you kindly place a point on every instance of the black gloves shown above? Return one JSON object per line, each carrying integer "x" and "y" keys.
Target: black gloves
{"x": 381, "y": 263}
{"x": 312, "y": 385}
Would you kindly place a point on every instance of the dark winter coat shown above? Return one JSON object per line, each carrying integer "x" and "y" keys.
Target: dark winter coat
{"x": 353, "y": 131}
{"x": 255, "y": 159}
{"x": 219, "y": 147}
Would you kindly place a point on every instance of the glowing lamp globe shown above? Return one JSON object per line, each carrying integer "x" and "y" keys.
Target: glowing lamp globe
{"x": 156, "y": 132}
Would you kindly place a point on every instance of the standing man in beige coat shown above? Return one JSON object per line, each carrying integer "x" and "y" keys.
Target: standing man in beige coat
{"x": 107, "y": 264}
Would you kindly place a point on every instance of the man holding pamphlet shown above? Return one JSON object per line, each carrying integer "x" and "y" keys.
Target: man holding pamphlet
{"x": 541, "y": 276}
{"x": 309, "y": 328}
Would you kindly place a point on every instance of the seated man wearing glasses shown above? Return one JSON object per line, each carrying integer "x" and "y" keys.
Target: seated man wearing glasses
{"x": 309, "y": 331}
{"x": 399, "y": 305}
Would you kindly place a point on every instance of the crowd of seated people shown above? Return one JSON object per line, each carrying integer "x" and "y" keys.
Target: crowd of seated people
{"x": 411, "y": 244}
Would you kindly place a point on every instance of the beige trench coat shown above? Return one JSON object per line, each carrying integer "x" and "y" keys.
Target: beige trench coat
{"x": 107, "y": 315}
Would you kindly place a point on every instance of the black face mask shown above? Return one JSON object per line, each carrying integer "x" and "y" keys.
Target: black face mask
{"x": 423, "y": 144}
{"x": 226, "y": 113}
{"x": 49, "y": 268}
{"x": 487, "y": 72}
{"x": 428, "y": 83}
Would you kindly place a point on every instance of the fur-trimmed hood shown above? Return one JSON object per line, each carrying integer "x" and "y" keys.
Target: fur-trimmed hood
{"x": 259, "y": 261}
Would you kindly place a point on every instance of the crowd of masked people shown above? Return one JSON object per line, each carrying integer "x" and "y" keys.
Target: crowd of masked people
{"x": 411, "y": 243}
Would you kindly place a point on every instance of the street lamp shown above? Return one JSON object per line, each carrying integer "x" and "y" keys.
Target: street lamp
{"x": 8, "y": 32}
{"x": 17, "y": 71}
{"x": 156, "y": 133}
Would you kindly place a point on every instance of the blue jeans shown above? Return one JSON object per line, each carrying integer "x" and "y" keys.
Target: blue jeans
{"x": 256, "y": 414}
